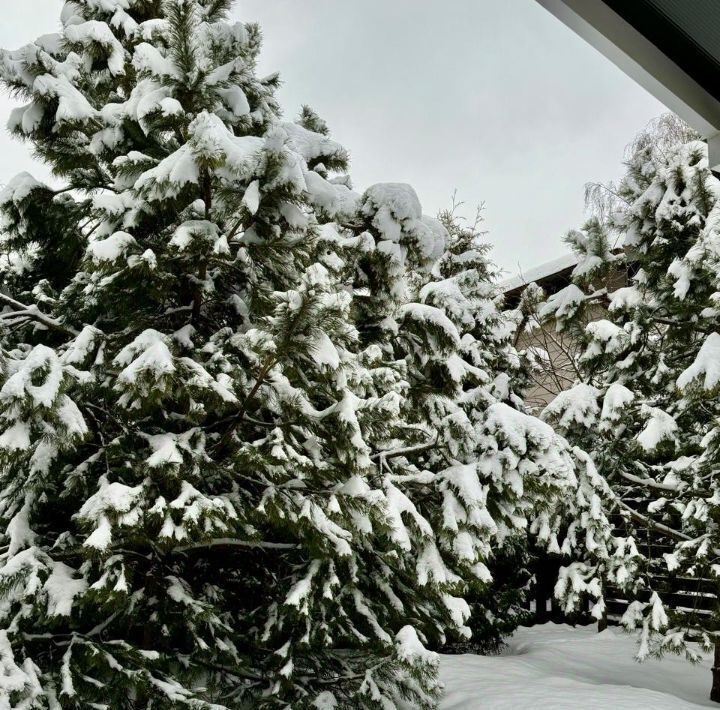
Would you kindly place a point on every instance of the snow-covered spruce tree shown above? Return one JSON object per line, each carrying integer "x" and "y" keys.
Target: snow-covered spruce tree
{"x": 253, "y": 444}
{"x": 497, "y": 607}
{"x": 497, "y": 468}
{"x": 189, "y": 520}
{"x": 647, "y": 407}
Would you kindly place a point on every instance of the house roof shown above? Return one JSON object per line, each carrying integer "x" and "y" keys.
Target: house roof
{"x": 538, "y": 274}
{"x": 687, "y": 31}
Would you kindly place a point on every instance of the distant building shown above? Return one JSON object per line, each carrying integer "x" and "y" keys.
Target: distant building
{"x": 553, "y": 354}
{"x": 672, "y": 49}
{"x": 551, "y": 276}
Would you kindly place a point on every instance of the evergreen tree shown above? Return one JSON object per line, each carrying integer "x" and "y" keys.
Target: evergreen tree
{"x": 254, "y": 441}
{"x": 498, "y": 607}
{"x": 646, "y": 408}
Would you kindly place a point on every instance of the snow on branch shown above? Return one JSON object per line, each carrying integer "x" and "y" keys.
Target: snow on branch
{"x": 403, "y": 451}
{"x": 652, "y": 523}
{"x": 232, "y": 542}
{"x": 34, "y": 312}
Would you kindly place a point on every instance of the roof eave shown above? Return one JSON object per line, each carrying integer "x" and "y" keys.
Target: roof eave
{"x": 622, "y": 44}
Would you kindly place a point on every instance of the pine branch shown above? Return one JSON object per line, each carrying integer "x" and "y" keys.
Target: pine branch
{"x": 34, "y": 312}
{"x": 681, "y": 324}
{"x": 234, "y": 671}
{"x": 240, "y": 415}
{"x": 108, "y": 414}
{"x": 217, "y": 9}
{"x": 102, "y": 625}
{"x": 234, "y": 229}
{"x": 206, "y": 186}
{"x": 403, "y": 451}
{"x": 270, "y": 362}
{"x": 652, "y": 523}
{"x": 520, "y": 330}
{"x": 183, "y": 32}
{"x": 232, "y": 542}
{"x": 650, "y": 483}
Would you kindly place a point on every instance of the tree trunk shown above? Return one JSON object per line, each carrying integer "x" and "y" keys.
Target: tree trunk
{"x": 715, "y": 692}
{"x": 602, "y": 623}
{"x": 603, "y": 620}
{"x": 541, "y": 612}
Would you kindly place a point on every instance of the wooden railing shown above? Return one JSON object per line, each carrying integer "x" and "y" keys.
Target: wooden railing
{"x": 694, "y": 597}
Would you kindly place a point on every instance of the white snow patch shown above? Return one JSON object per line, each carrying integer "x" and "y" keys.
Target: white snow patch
{"x": 557, "y": 667}
{"x": 147, "y": 353}
{"x": 576, "y": 405}
{"x": 562, "y": 304}
{"x": 311, "y": 145}
{"x": 19, "y": 188}
{"x": 410, "y": 648}
{"x": 110, "y": 249}
{"x": 236, "y": 100}
{"x": 337, "y": 201}
{"x": 251, "y": 198}
{"x": 95, "y": 32}
{"x": 16, "y": 437}
{"x": 325, "y": 352}
{"x": 625, "y": 298}
{"x": 72, "y": 105}
{"x": 660, "y": 427}
{"x": 61, "y": 588}
{"x": 38, "y": 376}
{"x": 616, "y": 399}
{"x": 706, "y": 363}
{"x": 430, "y": 316}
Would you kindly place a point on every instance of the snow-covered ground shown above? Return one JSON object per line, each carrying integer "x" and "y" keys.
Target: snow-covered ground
{"x": 558, "y": 667}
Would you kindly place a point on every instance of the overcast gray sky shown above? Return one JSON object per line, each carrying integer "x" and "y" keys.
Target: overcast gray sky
{"x": 494, "y": 98}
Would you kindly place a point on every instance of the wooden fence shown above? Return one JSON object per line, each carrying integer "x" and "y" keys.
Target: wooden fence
{"x": 695, "y": 597}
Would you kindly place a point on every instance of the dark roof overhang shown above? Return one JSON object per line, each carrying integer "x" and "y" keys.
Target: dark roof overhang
{"x": 670, "y": 47}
